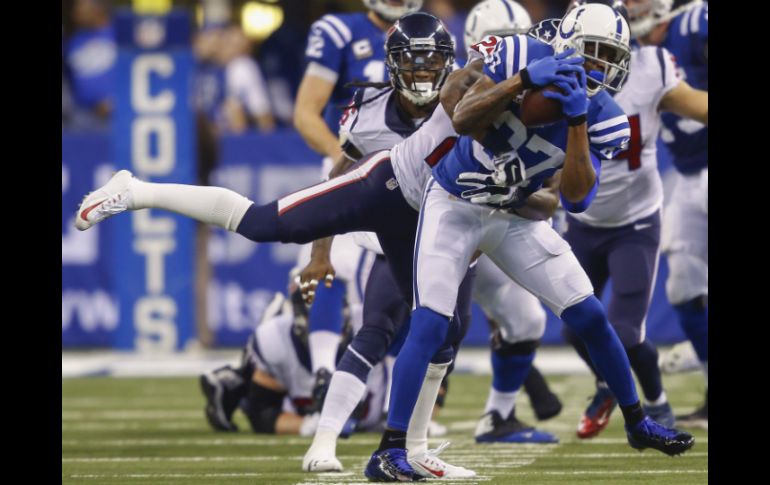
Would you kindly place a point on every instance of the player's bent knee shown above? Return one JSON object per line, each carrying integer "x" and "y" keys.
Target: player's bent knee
{"x": 586, "y": 317}
{"x": 353, "y": 362}
{"x": 688, "y": 278}
{"x": 428, "y": 328}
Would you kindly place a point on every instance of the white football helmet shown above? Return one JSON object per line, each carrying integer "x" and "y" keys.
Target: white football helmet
{"x": 595, "y": 28}
{"x": 495, "y": 17}
{"x": 390, "y": 12}
{"x": 643, "y": 15}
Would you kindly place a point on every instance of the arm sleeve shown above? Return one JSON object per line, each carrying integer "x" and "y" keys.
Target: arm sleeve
{"x": 609, "y": 137}
{"x": 582, "y": 205}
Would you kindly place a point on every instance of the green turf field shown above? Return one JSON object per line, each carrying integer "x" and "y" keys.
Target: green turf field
{"x": 152, "y": 430}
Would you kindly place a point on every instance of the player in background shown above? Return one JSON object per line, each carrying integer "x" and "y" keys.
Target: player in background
{"x": 618, "y": 236}
{"x": 516, "y": 314}
{"x": 684, "y": 235}
{"x": 512, "y": 162}
{"x": 274, "y": 382}
{"x": 341, "y": 48}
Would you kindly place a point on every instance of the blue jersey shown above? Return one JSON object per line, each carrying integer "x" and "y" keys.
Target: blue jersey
{"x": 687, "y": 40}
{"x": 91, "y": 56}
{"x": 542, "y": 149}
{"x": 343, "y": 48}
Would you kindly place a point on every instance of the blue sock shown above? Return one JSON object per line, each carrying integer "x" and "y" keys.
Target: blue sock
{"x": 427, "y": 332}
{"x": 510, "y": 371}
{"x": 588, "y": 320}
{"x": 694, "y": 319}
{"x": 326, "y": 313}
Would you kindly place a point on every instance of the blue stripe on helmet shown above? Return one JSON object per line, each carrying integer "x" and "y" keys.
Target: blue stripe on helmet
{"x": 619, "y": 22}
{"x": 508, "y": 8}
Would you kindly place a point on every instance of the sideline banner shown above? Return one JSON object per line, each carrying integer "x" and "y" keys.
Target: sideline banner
{"x": 154, "y": 136}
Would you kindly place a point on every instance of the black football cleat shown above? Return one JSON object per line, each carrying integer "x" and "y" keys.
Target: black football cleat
{"x": 650, "y": 434}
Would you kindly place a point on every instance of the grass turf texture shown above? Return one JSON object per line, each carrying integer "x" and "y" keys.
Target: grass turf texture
{"x": 152, "y": 430}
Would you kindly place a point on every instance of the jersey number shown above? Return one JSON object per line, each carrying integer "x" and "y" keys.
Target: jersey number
{"x": 634, "y": 152}
{"x": 536, "y": 144}
{"x": 374, "y": 71}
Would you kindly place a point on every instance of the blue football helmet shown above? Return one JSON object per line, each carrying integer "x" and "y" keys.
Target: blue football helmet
{"x": 418, "y": 43}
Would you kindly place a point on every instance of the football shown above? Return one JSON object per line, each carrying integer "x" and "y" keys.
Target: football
{"x": 537, "y": 110}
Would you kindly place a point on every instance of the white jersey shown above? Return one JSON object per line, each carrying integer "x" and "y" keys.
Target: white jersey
{"x": 410, "y": 157}
{"x": 275, "y": 350}
{"x": 372, "y": 122}
{"x": 630, "y": 187}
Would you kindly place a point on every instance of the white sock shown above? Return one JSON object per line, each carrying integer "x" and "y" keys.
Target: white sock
{"x": 417, "y": 432}
{"x": 345, "y": 392}
{"x": 389, "y": 361}
{"x": 499, "y": 401}
{"x": 662, "y": 399}
{"x": 326, "y": 441}
{"x": 323, "y": 346}
{"x": 211, "y": 205}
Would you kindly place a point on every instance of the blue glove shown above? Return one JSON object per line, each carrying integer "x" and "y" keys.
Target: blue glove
{"x": 574, "y": 101}
{"x": 551, "y": 69}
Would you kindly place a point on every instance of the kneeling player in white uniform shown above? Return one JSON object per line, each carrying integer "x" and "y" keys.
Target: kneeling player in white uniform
{"x": 273, "y": 386}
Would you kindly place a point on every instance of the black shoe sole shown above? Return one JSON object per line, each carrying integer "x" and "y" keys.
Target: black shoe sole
{"x": 210, "y": 410}
{"x": 670, "y": 450}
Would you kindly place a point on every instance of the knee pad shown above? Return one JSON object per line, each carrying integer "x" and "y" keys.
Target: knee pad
{"x": 688, "y": 277}
{"x": 504, "y": 348}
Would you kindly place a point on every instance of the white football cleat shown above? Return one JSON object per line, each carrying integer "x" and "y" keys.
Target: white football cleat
{"x": 681, "y": 358}
{"x": 429, "y": 465}
{"x": 110, "y": 199}
{"x": 318, "y": 459}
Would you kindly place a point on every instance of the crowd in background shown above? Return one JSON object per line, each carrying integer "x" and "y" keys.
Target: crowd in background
{"x": 240, "y": 84}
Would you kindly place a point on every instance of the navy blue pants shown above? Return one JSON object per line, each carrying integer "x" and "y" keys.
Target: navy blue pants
{"x": 627, "y": 254}
{"x": 365, "y": 198}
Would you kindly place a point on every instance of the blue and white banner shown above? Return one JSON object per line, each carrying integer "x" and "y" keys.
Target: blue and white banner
{"x": 154, "y": 136}
{"x": 246, "y": 275}
{"x": 89, "y": 305}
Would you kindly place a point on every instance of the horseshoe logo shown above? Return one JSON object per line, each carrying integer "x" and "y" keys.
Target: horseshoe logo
{"x": 567, "y": 35}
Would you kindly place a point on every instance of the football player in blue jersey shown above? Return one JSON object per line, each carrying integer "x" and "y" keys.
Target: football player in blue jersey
{"x": 684, "y": 234}
{"x": 515, "y": 314}
{"x": 341, "y": 48}
{"x": 495, "y": 170}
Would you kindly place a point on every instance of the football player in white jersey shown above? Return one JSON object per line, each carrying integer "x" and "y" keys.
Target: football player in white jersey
{"x": 618, "y": 236}
{"x": 273, "y": 385}
{"x": 684, "y": 234}
{"x": 503, "y": 161}
{"x": 340, "y": 48}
